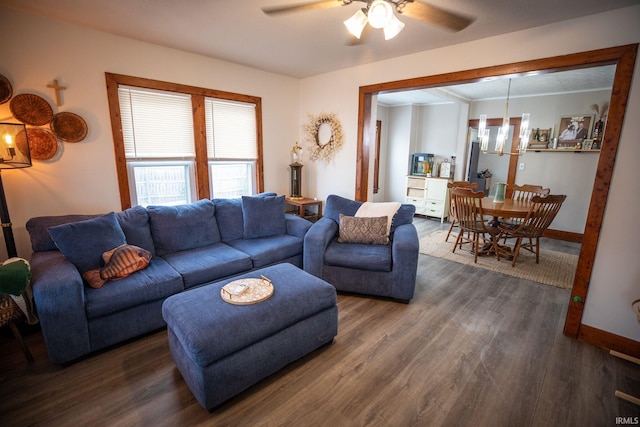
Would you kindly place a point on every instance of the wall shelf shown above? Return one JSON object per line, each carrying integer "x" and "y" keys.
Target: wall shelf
{"x": 561, "y": 150}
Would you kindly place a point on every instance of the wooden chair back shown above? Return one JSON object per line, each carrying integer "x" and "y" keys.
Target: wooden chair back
{"x": 526, "y": 192}
{"x": 458, "y": 184}
{"x": 543, "y": 211}
{"x": 468, "y": 208}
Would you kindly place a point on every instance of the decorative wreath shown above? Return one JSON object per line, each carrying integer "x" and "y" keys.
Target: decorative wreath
{"x": 323, "y": 150}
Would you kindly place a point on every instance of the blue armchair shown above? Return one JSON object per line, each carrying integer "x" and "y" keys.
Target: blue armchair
{"x": 372, "y": 269}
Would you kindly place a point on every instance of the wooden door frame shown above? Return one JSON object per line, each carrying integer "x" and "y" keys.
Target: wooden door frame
{"x": 622, "y": 56}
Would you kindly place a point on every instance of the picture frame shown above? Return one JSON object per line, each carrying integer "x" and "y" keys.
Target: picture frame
{"x": 587, "y": 144}
{"x": 575, "y": 127}
{"x": 544, "y": 135}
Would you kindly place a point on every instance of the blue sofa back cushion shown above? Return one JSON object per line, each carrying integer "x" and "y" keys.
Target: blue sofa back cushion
{"x": 337, "y": 205}
{"x": 135, "y": 225}
{"x": 178, "y": 228}
{"x": 403, "y": 216}
{"x": 229, "y": 217}
{"x": 84, "y": 242}
{"x": 263, "y": 216}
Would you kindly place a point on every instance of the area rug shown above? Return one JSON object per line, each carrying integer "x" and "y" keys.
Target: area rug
{"x": 555, "y": 268}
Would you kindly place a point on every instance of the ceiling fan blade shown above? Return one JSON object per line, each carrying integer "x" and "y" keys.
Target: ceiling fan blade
{"x": 436, "y": 15}
{"x": 326, "y": 4}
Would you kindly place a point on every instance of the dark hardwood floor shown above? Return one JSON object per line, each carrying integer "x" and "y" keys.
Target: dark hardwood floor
{"x": 473, "y": 348}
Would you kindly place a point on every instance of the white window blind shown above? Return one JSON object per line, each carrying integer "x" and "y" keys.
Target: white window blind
{"x": 231, "y": 130}
{"x": 156, "y": 124}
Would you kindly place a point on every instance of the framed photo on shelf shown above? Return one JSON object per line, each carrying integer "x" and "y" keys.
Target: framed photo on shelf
{"x": 544, "y": 135}
{"x": 587, "y": 144}
{"x": 575, "y": 127}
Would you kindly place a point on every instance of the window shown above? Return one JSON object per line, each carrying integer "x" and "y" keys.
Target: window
{"x": 231, "y": 147}
{"x": 175, "y": 144}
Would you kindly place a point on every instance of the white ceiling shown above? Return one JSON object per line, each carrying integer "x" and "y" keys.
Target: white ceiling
{"x": 581, "y": 80}
{"x": 298, "y": 44}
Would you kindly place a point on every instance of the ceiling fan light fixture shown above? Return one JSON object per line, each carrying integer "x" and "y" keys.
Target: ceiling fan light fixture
{"x": 393, "y": 27}
{"x": 380, "y": 13}
{"x": 356, "y": 23}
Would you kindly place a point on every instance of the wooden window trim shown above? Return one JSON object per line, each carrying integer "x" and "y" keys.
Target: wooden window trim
{"x": 198, "y": 95}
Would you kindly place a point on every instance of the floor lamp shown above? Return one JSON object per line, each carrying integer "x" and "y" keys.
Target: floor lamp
{"x": 14, "y": 154}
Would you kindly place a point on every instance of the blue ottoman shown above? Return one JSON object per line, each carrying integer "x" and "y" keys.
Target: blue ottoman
{"x": 221, "y": 349}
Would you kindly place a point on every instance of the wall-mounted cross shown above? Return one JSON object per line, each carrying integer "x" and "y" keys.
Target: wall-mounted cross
{"x": 56, "y": 86}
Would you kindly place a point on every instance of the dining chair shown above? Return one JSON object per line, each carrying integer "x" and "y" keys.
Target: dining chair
{"x": 523, "y": 193}
{"x": 472, "y": 223}
{"x": 526, "y": 192}
{"x": 542, "y": 212}
{"x": 452, "y": 210}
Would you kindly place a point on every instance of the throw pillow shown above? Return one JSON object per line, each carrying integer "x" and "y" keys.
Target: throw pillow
{"x": 119, "y": 262}
{"x": 368, "y": 230}
{"x": 377, "y": 209}
{"x": 84, "y": 242}
{"x": 263, "y": 216}
{"x": 178, "y": 228}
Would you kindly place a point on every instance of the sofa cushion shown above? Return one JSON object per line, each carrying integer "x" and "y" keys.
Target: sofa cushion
{"x": 358, "y": 256}
{"x": 155, "y": 282}
{"x": 263, "y": 216}
{"x": 135, "y": 224}
{"x": 183, "y": 227}
{"x": 206, "y": 264}
{"x": 229, "y": 217}
{"x": 84, "y": 242}
{"x": 337, "y": 205}
{"x": 367, "y": 230}
{"x": 38, "y": 228}
{"x": 403, "y": 216}
{"x": 269, "y": 250}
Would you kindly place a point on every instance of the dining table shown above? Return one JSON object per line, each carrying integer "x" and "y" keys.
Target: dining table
{"x": 508, "y": 209}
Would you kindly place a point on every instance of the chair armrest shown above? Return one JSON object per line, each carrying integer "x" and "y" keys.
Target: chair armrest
{"x": 316, "y": 241}
{"x": 297, "y": 226}
{"x": 405, "y": 249}
{"x": 58, "y": 292}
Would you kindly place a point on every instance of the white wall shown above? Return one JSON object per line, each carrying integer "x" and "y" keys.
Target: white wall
{"x": 82, "y": 177}
{"x": 615, "y": 277}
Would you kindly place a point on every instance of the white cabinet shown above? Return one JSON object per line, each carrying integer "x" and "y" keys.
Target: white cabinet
{"x": 430, "y": 196}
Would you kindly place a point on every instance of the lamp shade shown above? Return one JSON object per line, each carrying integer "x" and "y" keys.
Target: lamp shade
{"x": 14, "y": 146}
{"x": 356, "y": 23}
{"x": 393, "y": 27}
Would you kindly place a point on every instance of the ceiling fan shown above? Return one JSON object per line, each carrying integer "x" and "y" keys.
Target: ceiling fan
{"x": 379, "y": 14}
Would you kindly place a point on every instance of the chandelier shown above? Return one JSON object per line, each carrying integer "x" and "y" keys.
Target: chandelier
{"x": 378, "y": 14}
{"x": 503, "y": 131}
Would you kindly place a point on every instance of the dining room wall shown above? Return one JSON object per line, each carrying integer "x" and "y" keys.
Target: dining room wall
{"x": 435, "y": 129}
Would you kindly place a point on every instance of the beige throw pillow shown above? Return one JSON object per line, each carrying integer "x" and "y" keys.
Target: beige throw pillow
{"x": 369, "y": 230}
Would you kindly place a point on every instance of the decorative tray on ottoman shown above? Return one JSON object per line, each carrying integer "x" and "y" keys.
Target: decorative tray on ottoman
{"x": 247, "y": 291}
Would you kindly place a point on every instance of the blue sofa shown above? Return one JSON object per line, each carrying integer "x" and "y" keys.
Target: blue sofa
{"x": 191, "y": 245}
{"x": 384, "y": 270}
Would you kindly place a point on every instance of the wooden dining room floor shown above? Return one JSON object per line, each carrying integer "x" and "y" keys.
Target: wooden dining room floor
{"x": 473, "y": 348}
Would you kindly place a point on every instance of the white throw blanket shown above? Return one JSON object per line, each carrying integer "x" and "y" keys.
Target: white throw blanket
{"x": 371, "y": 209}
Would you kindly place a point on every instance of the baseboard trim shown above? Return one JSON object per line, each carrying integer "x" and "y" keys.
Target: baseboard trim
{"x": 567, "y": 236}
{"x": 609, "y": 341}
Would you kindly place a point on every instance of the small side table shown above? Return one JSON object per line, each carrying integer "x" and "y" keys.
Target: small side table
{"x": 300, "y": 208}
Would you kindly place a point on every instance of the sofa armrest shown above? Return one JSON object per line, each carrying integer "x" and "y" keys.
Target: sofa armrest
{"x": 58, "y": 292}
{"x": 316, "y": 241}
{"x": 405, "y": 249}
{"x": 297, "y": 226}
